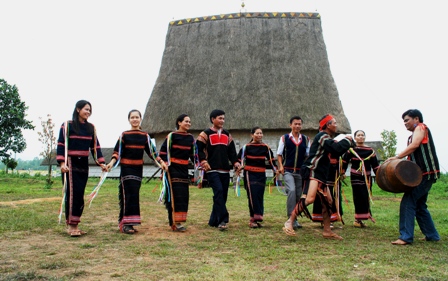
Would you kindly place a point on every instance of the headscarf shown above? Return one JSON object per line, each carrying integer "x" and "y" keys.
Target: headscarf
{"x": 324, "y": 121}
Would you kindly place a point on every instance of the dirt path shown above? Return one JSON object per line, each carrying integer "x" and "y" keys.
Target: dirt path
{"x": 28, "y": 201}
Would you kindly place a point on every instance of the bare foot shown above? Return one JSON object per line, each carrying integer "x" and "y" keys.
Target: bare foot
{"x": 400, "y": 242}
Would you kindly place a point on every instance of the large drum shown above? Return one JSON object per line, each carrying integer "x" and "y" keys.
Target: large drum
{"x": 398, "y": 176}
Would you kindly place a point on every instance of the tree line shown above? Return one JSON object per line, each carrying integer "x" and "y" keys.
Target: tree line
{"x": 27, "y": 165}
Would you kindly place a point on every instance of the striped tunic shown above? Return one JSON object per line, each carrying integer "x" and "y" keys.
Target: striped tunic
{"x": 180, "y": 151}
{"x": 319, "y": 160}
{"x": 80, "y": 144}
{"x": 133, "y": 144}
{"x": 255, "y": 155}
{"x": 425, "y": 155}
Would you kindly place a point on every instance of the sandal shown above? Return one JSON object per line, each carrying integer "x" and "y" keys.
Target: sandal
{"x": 128, "y": 229}
{"x": 253, "y": 225}
{"x": 74, "y": 233}
{"x": 289, "y": 229}
{"x": 259, "y": 224}
{"x": 222, "y": 226}
{"x": 333, "y": 236}
{"x": 179, "y": 228}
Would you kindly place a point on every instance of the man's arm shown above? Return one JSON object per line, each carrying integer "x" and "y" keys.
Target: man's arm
{"x": 232, "y": 155}
{"x": 201, "y": 143}
{"x": 417, "y": 139}
{"x": 337, "y": 148}
{"x": 281, "y": 146}
{"x": 280, "y": 169}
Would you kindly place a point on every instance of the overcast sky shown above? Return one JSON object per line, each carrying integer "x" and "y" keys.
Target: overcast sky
{"x": 385, "y": 57}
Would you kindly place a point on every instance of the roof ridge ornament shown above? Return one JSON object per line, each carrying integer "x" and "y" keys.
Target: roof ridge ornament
{"x": 243, "y": 10}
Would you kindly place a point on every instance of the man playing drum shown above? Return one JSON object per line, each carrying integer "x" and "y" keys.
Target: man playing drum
{"x": 420, "y": 150}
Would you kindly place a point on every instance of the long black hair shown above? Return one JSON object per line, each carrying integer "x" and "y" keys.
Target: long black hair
{"x": 75, "y": 118}
{"x": 180, "y": 118}
{"x": 253, "y": 130}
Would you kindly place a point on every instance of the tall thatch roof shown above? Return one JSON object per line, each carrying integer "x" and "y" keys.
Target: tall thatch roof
{"x": 260, "y": 68}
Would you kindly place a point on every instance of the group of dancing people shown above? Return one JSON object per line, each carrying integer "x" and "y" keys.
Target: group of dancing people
{"x": 312, "y": 171}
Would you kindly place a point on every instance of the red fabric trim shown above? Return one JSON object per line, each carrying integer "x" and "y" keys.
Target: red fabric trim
{"x": 325, "y": 121}
{"x": 254, "y": 169}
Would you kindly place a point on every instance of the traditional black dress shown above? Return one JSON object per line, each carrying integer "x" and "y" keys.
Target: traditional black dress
{"x": 358, "y": 176}
{"x": 176, "y": 150}
{"x": 129, "y": 151}
{"x": 80, "y": 144}
{"x": 253, "y": 157}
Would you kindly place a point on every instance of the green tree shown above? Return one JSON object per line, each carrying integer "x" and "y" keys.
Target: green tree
{"x": 389, "y": 143}
{"x": 12, "y": 120}
{"x": 9, "y": 163}
{"x": 48, "y": 139}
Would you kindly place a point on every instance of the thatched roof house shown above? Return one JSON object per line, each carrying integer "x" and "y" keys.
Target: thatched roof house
{"x": 260, "y": 68}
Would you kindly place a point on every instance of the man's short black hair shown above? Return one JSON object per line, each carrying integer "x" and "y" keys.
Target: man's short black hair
{"x": 413, "y": 113}
{"x": 215, "y": 113}
{"x": 297, "y": 117}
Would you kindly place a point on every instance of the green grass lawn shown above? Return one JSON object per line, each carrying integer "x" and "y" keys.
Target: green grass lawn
{"x": 35, "y": 247}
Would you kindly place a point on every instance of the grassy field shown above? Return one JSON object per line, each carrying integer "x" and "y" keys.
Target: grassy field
{"x": 33, "y": 246}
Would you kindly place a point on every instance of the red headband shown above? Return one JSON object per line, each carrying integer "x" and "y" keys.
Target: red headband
{"x": 325, "y": 121}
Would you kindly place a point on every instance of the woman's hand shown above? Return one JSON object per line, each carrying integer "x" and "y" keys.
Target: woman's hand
{"x": 64, "y": 168}
{"x": 104, "y": 167}
{"x": 163, "y": 165}
{"x": 109, "y": 166}
{"x": 205, "y": 166}
{"x": 238, "y": 171}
